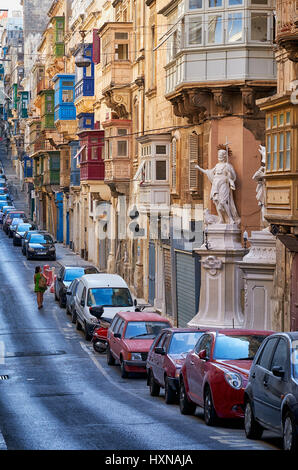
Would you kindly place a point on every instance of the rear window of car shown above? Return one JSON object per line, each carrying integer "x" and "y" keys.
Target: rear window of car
{"x": 144, "y": 329}
{"x": 237, "y": 347}
{"x": 24, "y": 227}
{"x": 184, "y": 342}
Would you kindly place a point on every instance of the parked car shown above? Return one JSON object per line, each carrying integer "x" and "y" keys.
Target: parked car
{"x": 14, "y": 223}
{"x": 26, "y": 237}
{"x": 166, "y": 357}
{"x": 271, "y": 394}
{"x": 215, "y": 373}
{"x": 40, "y": 245}
{"x": 70, "y": 300}
{"x": 19, "y": 232}
{"x": 130, "y": 337}
{"x": 107, "y": 290}
{"x": 13, "y": 214}
{"x": 64, "y": 278}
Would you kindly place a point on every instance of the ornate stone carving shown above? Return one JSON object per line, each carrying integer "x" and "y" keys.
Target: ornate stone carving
{"x": 192, "y": 104}
{"x": 118, "y": 102}
{"x": 212, "y": 264}
{"x": 248, "y": 99}
{"x": 223, "y": 177}
{"x": 222, "y": 100}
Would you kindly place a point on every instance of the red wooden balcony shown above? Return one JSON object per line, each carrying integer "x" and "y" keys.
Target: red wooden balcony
{"x": 91, "y": 156}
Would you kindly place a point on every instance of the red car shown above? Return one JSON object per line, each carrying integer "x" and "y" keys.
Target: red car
{"x": 130, "y": 337}
{"x": 166, "y": 357}
{"x": 215, "y": 373}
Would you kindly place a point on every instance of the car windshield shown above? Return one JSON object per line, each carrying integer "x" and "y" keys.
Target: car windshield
{"x": 15, "y": 215}
{"x": 16, "y": 221}
{"x": 23, "y": 227}
{"x": 109, "y": 297}
{"x": 72, "y": 274}
{"x": 141, "y": 329}
{"x": 238, "y": 347}
{"x": 38, "y": 238}
{"x": 184, "y": 342}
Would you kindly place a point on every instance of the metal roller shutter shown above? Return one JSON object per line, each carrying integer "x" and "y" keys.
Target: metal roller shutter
{"x": 187, "y": 287}
{"x": 168, "y": 280}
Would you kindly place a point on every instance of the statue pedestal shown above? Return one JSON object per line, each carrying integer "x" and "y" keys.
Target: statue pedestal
{"x": 258, "y": 268}
{"x": 221, "y": 281}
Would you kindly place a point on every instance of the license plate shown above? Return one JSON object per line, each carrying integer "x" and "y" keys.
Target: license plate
{"x": 40, "y": 253}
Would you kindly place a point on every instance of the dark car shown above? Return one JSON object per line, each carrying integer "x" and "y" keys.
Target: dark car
{"x": 25, "y": 239}
{"x": 215, "y": 373}
{"x": 41, "y": 245}
{"x": 64, "y": 278}
{"x": 70, "y": 300}
{"x": 271, "y": 394}
{"x": 13, "y": 214}
{"x": 166, "y": 357}
{"x": 19, "y": 232}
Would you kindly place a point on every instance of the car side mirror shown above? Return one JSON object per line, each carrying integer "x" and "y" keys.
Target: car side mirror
{"x": 278, "y": 371}
{"x": 135, "y": 302}
{"x": 97, "y": 311}
{"x": 203, "y": 355}
{"x": 160, "y": 351}
{"x": 117, "y": 335}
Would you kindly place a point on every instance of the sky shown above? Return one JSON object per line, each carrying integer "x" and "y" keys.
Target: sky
{"x": 10, "y": 4}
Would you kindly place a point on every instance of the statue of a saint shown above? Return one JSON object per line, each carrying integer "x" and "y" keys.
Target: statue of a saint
{"x": 223, "y": 177}
{"x": 259, "y": 177}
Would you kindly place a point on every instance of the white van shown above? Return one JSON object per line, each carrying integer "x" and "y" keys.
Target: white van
{"x": 109, "y": 291}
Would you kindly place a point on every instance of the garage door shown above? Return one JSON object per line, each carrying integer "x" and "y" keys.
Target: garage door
{"x": 187, "y": 286}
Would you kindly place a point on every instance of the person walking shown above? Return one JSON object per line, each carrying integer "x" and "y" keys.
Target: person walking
{"x": 40, "y": 282}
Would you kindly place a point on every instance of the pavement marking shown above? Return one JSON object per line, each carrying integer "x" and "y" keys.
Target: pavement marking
{"x": 3, "y": 445}
{"x": 26, "y": 265}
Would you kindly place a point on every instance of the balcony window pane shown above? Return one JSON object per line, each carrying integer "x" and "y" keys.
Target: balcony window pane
{"x": 122, "y": 131}
{"x": 193, "y": 4}
{"x": 288, "y": 150}
{"x": 94, "y": 153}
{"x": 161, "y": 149}
{"x": 281, "y": 119}
{"x": 161, "y": 170}
{"x": 235, "y": 27}
{"x": 268, "y": 149}
{"x": 259, "y": 26}
{"x": 215, "y": 3}
{"x": 274, "y": 151}
{"x": 259, "y": 2}
{"x": 281, "y": 151}
{"x": 195, "y": 31}
{"x": 148, "y": 171}
{"x": 288, "y": 117}
{"x": 67, "y": 96}
{"x": 235, "y": 2}
{"x": 268, "y": 126}
{"x": 121, "y": 52}
{"x": 274, "y": 120}
{"x": 214, "y": 29}
{"x": 122, "y": 148}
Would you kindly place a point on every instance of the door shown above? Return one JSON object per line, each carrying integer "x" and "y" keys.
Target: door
{"x": 117, "y": 342}
{"x": 167, "y": 269}
{"x": 260, "y": 378}
{"x": 187, "y": 287}
{"x": 67, "y": 228}
{"x": 276, "y": 387}
{"x": 160, "y": 359}
{"x": 198, "y": 369}
{"x": 151, "y": 295}
{"x": 294, "y": 294}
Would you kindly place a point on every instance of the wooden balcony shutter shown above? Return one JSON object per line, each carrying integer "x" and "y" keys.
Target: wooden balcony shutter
{"x": 193, "y": 160}
{"x": 174, "y": 165}
{"x": 96, "y": 47}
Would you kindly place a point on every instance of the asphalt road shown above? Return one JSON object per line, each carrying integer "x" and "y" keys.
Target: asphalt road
{"x": 61, "y": 395}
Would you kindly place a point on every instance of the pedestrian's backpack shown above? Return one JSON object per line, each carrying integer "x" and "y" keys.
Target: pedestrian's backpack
{"x": 42, "y": 282}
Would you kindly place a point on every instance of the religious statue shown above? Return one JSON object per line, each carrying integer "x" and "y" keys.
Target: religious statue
{"x": 223, "y": 177}
{"x": 259, "y": 177}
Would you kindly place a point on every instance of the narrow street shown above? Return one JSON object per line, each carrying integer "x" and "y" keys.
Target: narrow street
{"x": 59, "y": 394}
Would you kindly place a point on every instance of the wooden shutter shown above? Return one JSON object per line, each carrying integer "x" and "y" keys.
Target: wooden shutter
{"x": 193, "y": 160}
{"x": 96, "y": 47}
{"x": 174, "y": 165}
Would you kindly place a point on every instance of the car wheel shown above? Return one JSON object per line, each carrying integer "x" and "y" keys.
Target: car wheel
{"x": 78, "y": 325}
{"x": 88, "y": 337}
{"x": 73, "y": 317}
{"x": 187, "y": 407}
{"x": 61, "y": 303}
{"x": 124, "y": 373}
{"x": 110, "y": 357}
{"x": 252, "y": 428}
{"x": 209, "y": 410}
{"x": 99, "y": 347}
{"x": 290, "y": 437}
{"x": 153, "y": 386}
{"x": 56, "y": 298}
{"x": 53, "y": 258}
{"x": 170, "y": 394}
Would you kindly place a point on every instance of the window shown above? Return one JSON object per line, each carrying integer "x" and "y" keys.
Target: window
{"x": 235, "y": 2}
{"x": 161, "y": 149}
{"x": 265, "y": 357}
{"x": 67, "y": 96}
{"x": 215, "y": 3}
{"x": 280, "y": 356}
{"x": 184, "y": 342}
{"x": 142, "y": 329}
{"x": 121, "y": 36}
{"x": 121, "y": 328}
{"x": 121, "y": 51}
{"x": 122, "y": 148}
{"x": 194, "y": 4}
{"x": 174, "y": 164}
{"x": 281, "y": 151}
{"x": 161, "y": 170}
{"x": 204, "y": 343}
{"x": 195, "y": 31}
{"x": 237, "y": 347}
{"x": 49, "y": 104}
{"x": 259, "y": 21}
{"x": 288, "y": 150}
{"x": 116, "y": 318}
{"x": 122, "y": 131}
{"x": 193, "y": 160}
{"x": 268, "y": 121}
{"x": 215, "y": 29}
{"x": 109, "y": 297}
{"x": 274, "y": 164}
{"x": 235, "y": 27}
{"x": 259, "y": 2}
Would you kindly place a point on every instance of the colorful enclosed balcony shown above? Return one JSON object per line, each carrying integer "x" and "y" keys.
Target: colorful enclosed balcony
{"x": 91, "y": 155}
{"x": 84, "y": 83}
{"x": 64, "y": 108}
